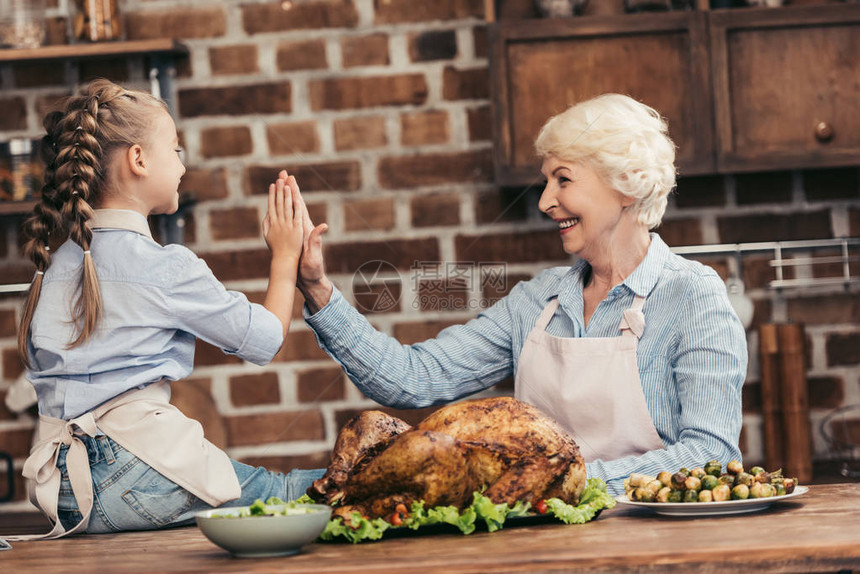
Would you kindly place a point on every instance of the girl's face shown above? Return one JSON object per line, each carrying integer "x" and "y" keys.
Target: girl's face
{"x": 160, "y": 192}
{"x": 588, "y": 212}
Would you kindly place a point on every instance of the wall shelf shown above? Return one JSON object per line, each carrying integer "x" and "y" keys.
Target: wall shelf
{"x": 16, "y": 207}
{"x": 161, "y": 46}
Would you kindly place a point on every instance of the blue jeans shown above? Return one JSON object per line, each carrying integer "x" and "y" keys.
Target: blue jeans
{"x": 130, "y": 495}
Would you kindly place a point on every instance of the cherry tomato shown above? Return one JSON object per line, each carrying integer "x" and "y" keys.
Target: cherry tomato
{"x": 541, "y": 507}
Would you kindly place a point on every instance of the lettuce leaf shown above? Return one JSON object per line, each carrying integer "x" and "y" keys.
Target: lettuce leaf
{"x": 419, "y": 516}
{"x": 594, "y": 498}
{"x": 358, "y": 530}
{"x": 492, "y": 514}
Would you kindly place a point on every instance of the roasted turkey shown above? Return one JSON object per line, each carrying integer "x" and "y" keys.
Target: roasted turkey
{"x": 504, "y": 445}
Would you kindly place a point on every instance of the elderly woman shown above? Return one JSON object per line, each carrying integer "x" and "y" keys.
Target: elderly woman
{"x": 635, "y": 350}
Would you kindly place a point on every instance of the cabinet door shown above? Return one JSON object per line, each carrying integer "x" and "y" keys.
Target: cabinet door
{"x": 541, "y": 67}
{"x": 786, "y": 87}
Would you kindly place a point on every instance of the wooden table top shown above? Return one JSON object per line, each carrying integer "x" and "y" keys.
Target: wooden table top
{"x": 819, "y": 531}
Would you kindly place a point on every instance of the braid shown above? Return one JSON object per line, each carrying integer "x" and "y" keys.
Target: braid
{"x": 79, "y": 161}
{"x": 38, "y": 228}
{"x": 76, "y": 151}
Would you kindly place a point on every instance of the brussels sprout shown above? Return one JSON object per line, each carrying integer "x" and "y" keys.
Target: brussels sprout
{"x": 780, "y": 489}
{"x": 710, "y": 482}
{"x": 627, "y": 487}
{"x": 691, "y": 496}
{"x": 663, "y": 495}
{"x": 762, "y": 477}
{"x": 678, "y": 480}
{"x": 740, "y": 492}
{"x": 665, "y": 477}
{"x": 676, "y": 496}
{"x": 721, "y": 493}
{"x": 698, "y": 472}
{"x": 706, "y": 496}
{"x": 744, "y": 478}
{"x": 643, "y": 495}
{"x": 637, "y": 479}
{"x": 755, "y": 470}
{"x": 789, "y": 484}
{"x": 653, "y": 487}
{"x": 693, "y": 483}
{"x": 735, "y": 467}
{"x": 761, "y": 490}
{"x": 685, "y": 470}
{"x": 714, "y": 468}
{"x": 727, "y": 479}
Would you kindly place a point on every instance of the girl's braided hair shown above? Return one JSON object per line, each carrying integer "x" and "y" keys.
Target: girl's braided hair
{"x": 77, "y": 150}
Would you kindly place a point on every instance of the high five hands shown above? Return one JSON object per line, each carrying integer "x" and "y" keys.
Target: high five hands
{"x": 312, "y": 280}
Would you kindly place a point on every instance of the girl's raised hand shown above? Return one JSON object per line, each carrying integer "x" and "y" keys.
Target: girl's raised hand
{"x": 283, "y": 226}
{"x": 312, "y": 280}
{"x": 311, "y": 267}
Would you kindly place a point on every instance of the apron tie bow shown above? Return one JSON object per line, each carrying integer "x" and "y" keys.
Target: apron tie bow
{"x": 41, "y": 467}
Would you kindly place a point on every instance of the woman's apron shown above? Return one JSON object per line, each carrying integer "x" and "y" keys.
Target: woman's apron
{"x": 590, "y": 386}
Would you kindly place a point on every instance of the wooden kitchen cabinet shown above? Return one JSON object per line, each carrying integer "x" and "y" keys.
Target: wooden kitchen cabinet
{"x": 786, "y": 87}
{"x": 743, "y": 89}
{"x": 540, "y": 67}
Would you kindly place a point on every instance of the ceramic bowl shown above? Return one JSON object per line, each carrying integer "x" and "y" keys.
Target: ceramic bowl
{"x": 265, "y": 535}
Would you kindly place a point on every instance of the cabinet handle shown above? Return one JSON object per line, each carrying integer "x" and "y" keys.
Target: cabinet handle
{"x": 824, "y": 132}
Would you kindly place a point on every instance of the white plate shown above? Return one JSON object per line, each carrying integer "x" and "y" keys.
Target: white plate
{"x": 711, "y": 508}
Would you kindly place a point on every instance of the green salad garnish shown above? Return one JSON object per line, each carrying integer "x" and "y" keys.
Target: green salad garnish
{"x": 594, "y": 498}
{"x": 272, "y": 507}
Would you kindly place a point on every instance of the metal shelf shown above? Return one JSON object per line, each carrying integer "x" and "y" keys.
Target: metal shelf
{"x": 778, "y": 248}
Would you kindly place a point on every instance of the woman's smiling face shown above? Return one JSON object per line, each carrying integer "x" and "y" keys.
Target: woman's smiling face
{"x": 588, "y": 212}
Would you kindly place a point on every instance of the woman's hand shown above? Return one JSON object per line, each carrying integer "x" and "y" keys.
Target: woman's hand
{"x": 283, "y": 226}
{"x": 312, "y": 280}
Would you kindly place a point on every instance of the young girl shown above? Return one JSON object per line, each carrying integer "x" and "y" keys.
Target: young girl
{"x": 112, "y": 317}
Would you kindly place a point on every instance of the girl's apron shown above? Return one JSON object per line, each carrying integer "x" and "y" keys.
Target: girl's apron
{"x": 591, "y": 386}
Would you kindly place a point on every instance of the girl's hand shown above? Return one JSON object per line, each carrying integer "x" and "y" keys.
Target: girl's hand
{"x": 312, "y": 280}
{"x": 283, "y": 226}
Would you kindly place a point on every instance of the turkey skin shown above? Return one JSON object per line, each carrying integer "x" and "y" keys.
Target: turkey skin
{"x": 503, "y": 446}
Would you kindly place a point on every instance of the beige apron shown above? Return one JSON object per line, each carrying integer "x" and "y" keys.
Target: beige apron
{"x": 591, "y": 386}
{"x": 143, "y": 422}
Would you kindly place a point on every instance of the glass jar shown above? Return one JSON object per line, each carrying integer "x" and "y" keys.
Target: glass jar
{"x": 21, "y": 170}
{"x": 97, "y": 20}
{"x": 22, "y": 23}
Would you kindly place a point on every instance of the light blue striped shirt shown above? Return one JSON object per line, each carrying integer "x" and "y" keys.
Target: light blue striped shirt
{"x": 692, "y": 356}
{"x": 157, "y": 301}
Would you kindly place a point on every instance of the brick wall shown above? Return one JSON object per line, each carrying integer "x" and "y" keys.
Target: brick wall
{"x": 381, "y": 109}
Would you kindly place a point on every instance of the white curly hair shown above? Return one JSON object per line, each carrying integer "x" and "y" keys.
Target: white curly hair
{"x": 627, "y": 143}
